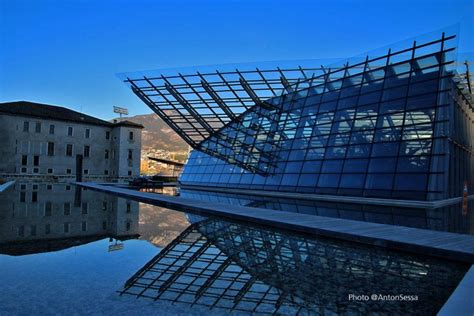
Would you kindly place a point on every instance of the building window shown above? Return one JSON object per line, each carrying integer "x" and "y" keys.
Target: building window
{"x": 33, "y": 230}
{"x": 106, "y": 172}
{"x": 88, "y": 133}
{"x": 69, "y": 131}
{"x": 130, "y": 154}
{"x": 67, "y": 208}
{"x": 104, "y": 205}
{"x": 104, "y": 225}
{"x": 106, "y": 154}
{"x": 68, "y": 171}
{"x": 26, "y": 126}
{"x": 86, "y": 171}
{"x": 36, "y": 161}
{"x": 49, "y": 187}
{"x": 24, "y": 160}
{"x": 129, "y": 172}
{"x": 23, "y": 170}
{"x": 69, "y": 150}
{"x": 50, "y": 149}
{"x": 34, "y": 197}
{"x": 22, "y": 196}
{"x": 35, "y": 170}
{"x": 66, "y": 227}
{"x": 51, "y": 129}
{"x": 47, "y": 229}
{"x": 38, "y": 127}
{"x": 129, "y": 207}
{"x": 128, "y": 226}
{"x": 50, "y": 170}
{"x": 48, "y": 209}
{"x": 107, "y": 135}
{"x": 87, "y": 151}
{"x": 84, "y": 226}
{"x": 130, "y": 136}
{"x": 85, "y": 207}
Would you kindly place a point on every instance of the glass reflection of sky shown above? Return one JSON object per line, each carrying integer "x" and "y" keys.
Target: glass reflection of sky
{"x": 79, "y": 280}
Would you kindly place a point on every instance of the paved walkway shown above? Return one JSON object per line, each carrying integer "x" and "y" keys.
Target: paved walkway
{"x": 434, "y": 243}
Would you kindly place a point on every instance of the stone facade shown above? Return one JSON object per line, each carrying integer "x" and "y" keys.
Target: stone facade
{"x": 32, "y": 146}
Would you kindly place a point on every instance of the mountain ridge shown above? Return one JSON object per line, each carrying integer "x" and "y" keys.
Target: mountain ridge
{"x": 157, "y": 134}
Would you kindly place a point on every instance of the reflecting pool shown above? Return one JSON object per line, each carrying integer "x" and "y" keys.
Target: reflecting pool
{"x": 65, "y": 250}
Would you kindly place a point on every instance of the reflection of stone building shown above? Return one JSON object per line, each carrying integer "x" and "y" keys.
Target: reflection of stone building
{"x": 231, "y": 266}
{"x": 36, "y": 217}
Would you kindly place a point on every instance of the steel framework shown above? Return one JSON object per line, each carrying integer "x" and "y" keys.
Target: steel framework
{"x": 239, "y": 116}
{"x": 197, "y": 106}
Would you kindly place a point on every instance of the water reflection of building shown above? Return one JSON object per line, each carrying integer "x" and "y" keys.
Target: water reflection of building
{"x": 238, "y": 267}
{"x": 37, "y": 217}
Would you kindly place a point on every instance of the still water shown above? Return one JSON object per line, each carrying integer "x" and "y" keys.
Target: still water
{"x": 69, "y": 251}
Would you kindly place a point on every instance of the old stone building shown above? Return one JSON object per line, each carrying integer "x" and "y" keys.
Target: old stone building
{"x": 45, "y": 141}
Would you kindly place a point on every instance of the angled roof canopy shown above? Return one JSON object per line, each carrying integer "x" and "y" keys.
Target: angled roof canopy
{"x": 235, "y": 115}
{"x": 198, "y": 105}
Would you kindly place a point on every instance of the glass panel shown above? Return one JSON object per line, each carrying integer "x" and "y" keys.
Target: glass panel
{"x": 415, "y": 182}
{"x": 379, "y": 181}
{"x": 329, "y": 180}
{"x": 423, "y": 87}
{"x": 382, "y": 165}
{"x": 355, "y": 165}
{"x": 413, "y": 164}
{"x": 309, "y": 180}
{"x": 332, "y": 166}
{"x": 355, "y": 181}
{"x": 385, "y": 149}
{"x": 388, "y": 134}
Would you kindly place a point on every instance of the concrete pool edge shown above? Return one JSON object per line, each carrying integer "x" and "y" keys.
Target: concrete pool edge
{"x": 333, "y": 198}
{"x": 450, "y": 246}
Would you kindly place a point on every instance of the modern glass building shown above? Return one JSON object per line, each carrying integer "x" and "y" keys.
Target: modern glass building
{"x": 396, "y": 125}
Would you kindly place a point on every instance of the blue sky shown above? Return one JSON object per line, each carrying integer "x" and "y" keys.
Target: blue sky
{"x": 68, "y": 52}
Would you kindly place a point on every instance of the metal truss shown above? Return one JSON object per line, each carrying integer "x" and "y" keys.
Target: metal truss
{"x": 237, "y": 116}
{"x": 198, "y": 105}
{"x": 232, "y": 266}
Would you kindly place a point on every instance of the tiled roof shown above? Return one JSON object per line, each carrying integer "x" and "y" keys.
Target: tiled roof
{"x": 52, "y": 112}
{"x": 128, "y": 123}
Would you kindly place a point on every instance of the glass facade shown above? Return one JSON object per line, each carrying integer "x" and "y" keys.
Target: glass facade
{"x": 392, "y": 126}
